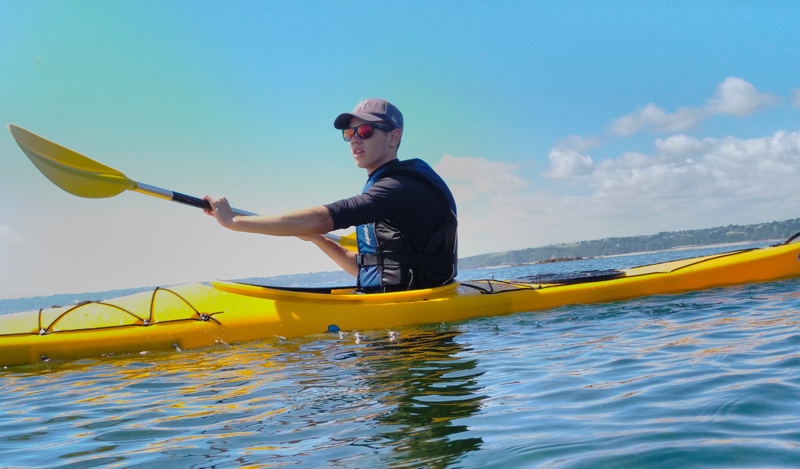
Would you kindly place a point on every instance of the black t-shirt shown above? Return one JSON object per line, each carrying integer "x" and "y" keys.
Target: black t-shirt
{"x": 403, "y": 201}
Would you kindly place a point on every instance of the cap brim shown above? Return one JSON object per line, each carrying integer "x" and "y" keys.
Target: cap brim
{"x": 343, "y": 121}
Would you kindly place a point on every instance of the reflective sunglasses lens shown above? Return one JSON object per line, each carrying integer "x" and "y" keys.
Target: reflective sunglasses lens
{"x": 348, "y": 134}
{"x": 365, "y": 131}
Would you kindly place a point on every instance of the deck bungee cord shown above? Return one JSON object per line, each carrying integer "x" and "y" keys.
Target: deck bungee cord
{"x": 142, "y": 322}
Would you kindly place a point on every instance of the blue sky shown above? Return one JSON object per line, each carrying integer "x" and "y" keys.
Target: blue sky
{"x": 552, "y": 122}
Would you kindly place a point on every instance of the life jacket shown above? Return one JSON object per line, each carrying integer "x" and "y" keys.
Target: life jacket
{"x": 391, "y": 260}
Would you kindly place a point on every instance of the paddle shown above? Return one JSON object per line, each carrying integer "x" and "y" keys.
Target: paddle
{"x": 84, "y": 177}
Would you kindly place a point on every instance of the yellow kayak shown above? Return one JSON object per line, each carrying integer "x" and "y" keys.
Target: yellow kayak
{"x": 197, "y": 315}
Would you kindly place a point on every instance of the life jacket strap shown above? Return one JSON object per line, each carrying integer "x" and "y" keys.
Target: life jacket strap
{"x": 365, "y": 260}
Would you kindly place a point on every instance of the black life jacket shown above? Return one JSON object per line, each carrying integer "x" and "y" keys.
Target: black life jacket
{"x": 391, "y": 260}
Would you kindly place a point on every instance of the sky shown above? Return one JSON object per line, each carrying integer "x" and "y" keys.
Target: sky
{"x": 552, "y": 122}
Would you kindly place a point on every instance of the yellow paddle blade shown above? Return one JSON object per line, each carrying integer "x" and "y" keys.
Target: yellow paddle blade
{"x": 70, "y": 170}
{"x": 349, "y": 242}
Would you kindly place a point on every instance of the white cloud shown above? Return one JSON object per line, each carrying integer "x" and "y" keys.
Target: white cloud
{"x": 566, "y": 158}
{"x": 734, "y": 96}
{"x": 739, "y": 98}
{"x": 681, "y": 146}
{"x": 686, "y": 183}
{"x": 469, "y": 177}
{"x": 722, "y": 168}
{"x": 654, "y": 119}
{"x": 566, "y": 163}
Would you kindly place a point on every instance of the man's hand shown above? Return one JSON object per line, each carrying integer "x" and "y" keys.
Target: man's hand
{"x": 221, "y": 210}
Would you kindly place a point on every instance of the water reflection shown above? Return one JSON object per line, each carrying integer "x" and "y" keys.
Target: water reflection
{"x": 391, "y": 400}
{"x": 436, "y": 382}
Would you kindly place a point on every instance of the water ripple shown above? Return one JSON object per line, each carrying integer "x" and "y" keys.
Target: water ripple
{"x": 702, "y": 379}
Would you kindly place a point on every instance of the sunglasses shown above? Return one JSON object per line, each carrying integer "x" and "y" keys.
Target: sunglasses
{"x": 365, "y": 131}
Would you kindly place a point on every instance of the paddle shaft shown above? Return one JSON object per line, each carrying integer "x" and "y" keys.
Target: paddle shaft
{"x": 180, "y": 198}
{"x": 345, "y": 241}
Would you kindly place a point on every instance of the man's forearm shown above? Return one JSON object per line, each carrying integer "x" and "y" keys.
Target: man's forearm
{"x": 343, "y": 258}
{"x": 314, "y": 220}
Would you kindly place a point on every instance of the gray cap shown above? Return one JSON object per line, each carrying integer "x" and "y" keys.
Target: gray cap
{"x": 372, "y": 110}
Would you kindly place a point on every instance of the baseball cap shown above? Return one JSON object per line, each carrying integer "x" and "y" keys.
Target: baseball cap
{"x": 371, "y": 110}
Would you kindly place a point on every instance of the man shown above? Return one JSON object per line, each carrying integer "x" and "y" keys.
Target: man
{"x": 405, "y": 216}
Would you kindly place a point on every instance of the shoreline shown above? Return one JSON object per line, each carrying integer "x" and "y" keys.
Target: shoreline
{"x": 695, "y": 246}
{"x": 676, "y": 248}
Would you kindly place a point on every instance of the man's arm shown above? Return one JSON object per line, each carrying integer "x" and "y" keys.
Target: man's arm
{"x": 310, "y": 221}
{"x": 344, "y": 258}
{"x": 308, "y": 224}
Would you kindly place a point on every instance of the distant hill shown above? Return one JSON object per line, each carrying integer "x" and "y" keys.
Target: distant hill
{"x": 777, "y": 230}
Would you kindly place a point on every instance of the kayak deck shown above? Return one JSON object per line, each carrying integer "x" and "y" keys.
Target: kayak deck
{"x": 197, "y": 315}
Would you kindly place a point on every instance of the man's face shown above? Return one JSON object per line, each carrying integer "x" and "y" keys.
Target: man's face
{"x": 373, "y": 152}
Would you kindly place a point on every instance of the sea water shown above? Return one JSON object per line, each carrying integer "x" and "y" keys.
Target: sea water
{"x": 703, "y": 379}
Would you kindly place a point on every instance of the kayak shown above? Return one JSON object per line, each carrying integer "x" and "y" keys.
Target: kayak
{"x": 200, "y": 315}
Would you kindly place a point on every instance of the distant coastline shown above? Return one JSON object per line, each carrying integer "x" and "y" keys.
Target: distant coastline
{"x": 730, "y": 235}
{"x": 678, "y": 248}
{"x": 719, "y": 245}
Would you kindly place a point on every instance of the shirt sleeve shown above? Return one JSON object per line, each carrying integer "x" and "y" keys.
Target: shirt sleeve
{"x": 393, "y": 198}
